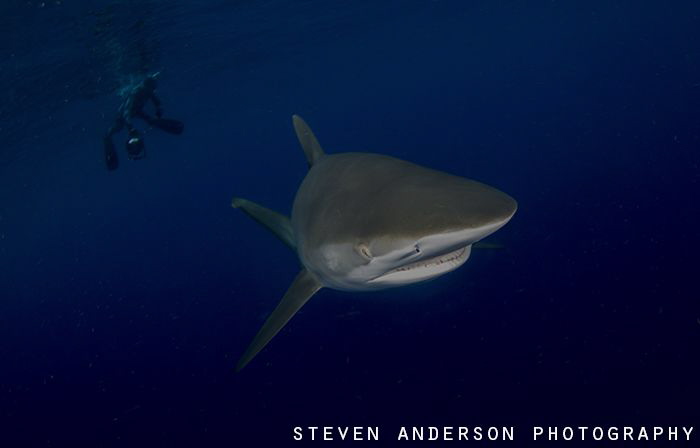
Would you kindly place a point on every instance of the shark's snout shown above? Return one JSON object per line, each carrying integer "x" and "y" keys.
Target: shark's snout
{"x": 484, "y": 209}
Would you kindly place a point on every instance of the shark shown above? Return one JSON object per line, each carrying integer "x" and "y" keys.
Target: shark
{"x": 364, "y": 221}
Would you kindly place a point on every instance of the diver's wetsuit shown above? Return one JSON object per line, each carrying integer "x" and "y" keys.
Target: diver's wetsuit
{"x": 134, "y": 104}
{"x": 133, "y": 107}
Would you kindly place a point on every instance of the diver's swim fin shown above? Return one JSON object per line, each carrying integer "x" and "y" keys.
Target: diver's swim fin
{"x": 111, "y": 159}
{"x": 167, "y": 125}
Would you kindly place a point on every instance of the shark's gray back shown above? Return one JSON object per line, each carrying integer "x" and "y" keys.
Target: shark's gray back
{"x": 351, "y": 196}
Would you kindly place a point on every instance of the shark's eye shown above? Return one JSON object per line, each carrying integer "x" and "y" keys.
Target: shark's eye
{"x": 364, "y": 251}
{"x": 417, "y": 248}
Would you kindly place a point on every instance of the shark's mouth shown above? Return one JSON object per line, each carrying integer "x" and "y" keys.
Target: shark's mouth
{"x": 426, "y": 268}
{"x": 450, "y": 257}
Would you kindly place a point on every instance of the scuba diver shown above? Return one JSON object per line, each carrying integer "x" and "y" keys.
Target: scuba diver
{"x": 133, "y": 106}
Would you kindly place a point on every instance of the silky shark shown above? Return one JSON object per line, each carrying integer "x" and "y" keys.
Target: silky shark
{"x": 363, "y": 221}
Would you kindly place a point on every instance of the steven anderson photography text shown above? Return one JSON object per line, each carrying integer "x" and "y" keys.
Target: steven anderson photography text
{"x": 495, "y": 433}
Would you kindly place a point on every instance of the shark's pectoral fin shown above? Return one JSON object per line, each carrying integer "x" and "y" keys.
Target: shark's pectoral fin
{"x": 485, "y": 245}
{"x": 302, "y": 288}
{"x": 277, "y": 223}
{"x": 307, "y": 140}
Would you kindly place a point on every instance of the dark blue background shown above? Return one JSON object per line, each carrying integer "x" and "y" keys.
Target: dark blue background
{"x": 127, "y": 297}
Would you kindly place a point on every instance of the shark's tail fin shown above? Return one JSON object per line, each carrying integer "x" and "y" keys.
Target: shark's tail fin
{"x": 307, "y": 139}
{"x": 277, "y": 223}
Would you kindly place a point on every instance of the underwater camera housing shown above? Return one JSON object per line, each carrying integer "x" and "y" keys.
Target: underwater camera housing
{"x": 134, "y": 146}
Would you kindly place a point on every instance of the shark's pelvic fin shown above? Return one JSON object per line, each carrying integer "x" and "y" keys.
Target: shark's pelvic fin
{"x": 277, "y": 223}
{"x": 303, "y": 287}
{"x": 307, "y": 139}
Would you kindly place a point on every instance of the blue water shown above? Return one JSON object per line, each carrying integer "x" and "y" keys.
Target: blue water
{"x": 127, "y": 297}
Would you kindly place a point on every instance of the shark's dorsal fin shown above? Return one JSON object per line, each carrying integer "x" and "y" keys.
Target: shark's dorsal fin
{"x": 302, "y": 288}
{"x": 307, "y": 139}
{"x": 277, "y": 223}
